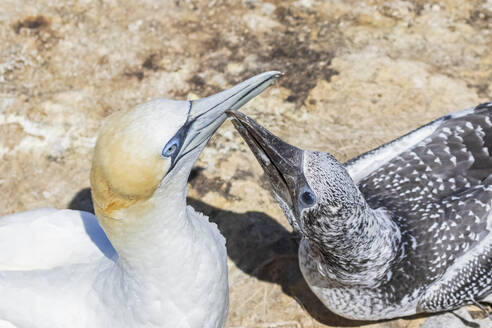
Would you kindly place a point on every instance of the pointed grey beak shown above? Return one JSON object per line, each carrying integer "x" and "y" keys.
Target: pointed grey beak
{"x": 282, "y": 163}
{"x": 207, "y": 114}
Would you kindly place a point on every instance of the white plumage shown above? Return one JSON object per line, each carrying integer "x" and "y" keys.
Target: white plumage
{"x": 147, "y": 259}
{"x": 34, "y": 238}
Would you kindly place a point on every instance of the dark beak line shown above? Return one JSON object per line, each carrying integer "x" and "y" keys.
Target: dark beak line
{"x": 253, "y": 142}
{"x": 251, "y": 137}
{"x": 285, "y": 157}
{"x": 242, "y": 97}
{"x": 206, "y": 121}
{"x": 280, "y": 161}
{"x": 216, "y": 105}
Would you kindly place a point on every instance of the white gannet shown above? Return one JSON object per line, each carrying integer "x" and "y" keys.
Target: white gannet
{"x": 402, "y": 229}
{"x": 147, "y": 260}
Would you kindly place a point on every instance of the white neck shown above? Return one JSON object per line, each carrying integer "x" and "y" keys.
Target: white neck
{"x": 151, "y": 238}
{"x": 171, "y": 260}
{"x": 154, "y": 229}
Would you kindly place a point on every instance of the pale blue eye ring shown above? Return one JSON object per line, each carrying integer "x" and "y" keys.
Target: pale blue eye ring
{"x": 170, "y": 149}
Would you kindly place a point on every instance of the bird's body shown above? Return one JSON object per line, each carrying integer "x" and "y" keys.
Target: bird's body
{"x": 402, "y": 229}
{"x": 146, "y": 259}
{"x": 86, "y": 288}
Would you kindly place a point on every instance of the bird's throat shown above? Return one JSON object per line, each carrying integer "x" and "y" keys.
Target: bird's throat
{"x": 357, "y": 249}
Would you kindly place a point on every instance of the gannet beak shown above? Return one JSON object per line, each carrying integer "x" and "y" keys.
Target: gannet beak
{"x": 282, "y": 162}
{"x": 207, "y": 114}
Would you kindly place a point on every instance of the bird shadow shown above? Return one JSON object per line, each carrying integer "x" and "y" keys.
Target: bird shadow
{"x": 260, "y": 247}
{"x": 264, "y": 249}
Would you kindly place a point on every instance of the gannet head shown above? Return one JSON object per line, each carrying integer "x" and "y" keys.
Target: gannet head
{"x": 309, "y": 186}
{"x": 145, "y": 154}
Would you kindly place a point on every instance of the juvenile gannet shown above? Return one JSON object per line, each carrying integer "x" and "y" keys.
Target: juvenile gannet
{"x": 152, "y": 261}
{"x": 402, "y": 229}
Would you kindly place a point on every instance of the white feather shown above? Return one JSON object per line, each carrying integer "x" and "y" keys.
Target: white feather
{"x": 45, "y": 238}
{"x": 168, "y": 267}
{"x": 88, "y": 289}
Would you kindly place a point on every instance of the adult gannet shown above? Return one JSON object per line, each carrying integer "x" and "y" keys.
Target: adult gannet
{"x": 155, "y": 262}
{"x": 402, "y": 229}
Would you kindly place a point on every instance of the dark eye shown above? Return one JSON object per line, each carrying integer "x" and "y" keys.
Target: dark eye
{"x": 170, "y": 149}
{"x": 308, "y": 198}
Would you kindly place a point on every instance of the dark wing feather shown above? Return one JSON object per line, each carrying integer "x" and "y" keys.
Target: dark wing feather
{"x": 453, "y": 158}
{"x": 469, "y": 283}
{"x": 440, "y": 194}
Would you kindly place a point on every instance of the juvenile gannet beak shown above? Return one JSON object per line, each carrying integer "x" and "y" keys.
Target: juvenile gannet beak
{"x": 282, "y": 162}
{"x": 207, "y": 114}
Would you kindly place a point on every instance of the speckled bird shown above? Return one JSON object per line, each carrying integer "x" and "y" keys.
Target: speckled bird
{"x": 402, "y": 229}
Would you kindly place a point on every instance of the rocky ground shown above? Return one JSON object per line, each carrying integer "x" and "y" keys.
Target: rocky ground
{"x": 357, "y": 74}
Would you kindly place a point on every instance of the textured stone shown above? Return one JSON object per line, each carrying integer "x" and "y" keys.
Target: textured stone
{"x": 358, "y": 73}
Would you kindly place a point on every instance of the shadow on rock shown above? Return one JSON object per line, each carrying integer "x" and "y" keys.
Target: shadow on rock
{"x": 260, "y": 247}
{"x": 82, "y": 201}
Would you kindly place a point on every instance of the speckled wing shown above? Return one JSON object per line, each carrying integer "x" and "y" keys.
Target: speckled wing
{"x": 437, "y": 184}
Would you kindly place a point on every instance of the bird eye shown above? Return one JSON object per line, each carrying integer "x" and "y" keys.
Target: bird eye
{"x": 170, "y": 149}
{"x": 308, "y": 198}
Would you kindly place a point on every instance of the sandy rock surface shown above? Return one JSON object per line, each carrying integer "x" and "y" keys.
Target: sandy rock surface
{"x": 357, "y": 74}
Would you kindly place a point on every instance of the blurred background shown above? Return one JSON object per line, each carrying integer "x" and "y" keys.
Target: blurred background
{"x": 357, "y": 74}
